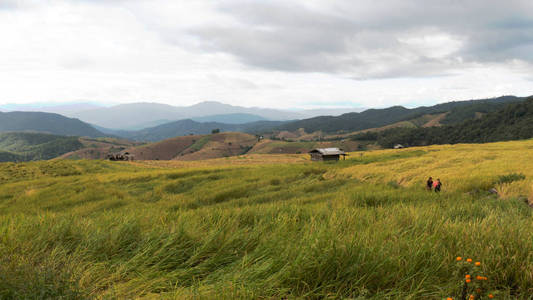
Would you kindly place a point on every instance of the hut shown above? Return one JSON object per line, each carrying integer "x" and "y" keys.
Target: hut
{"x": 398, "y": 146}
{"x": 327, "y": 154}
{"x": 126, "y": 156}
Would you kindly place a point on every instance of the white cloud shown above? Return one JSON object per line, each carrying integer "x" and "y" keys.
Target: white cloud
{"x": 257, "y": 53}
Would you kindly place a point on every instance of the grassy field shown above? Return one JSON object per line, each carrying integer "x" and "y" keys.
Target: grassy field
{"x": 269, "y": 226}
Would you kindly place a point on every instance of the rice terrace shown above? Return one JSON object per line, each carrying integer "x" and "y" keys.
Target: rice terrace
{"x": 277, "y": 227}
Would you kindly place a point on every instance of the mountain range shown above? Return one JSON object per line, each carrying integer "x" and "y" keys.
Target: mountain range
{"x": 135, "y": 116}
{"x": 450, "y": 122}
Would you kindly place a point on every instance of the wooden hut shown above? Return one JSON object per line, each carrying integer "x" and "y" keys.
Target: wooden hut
{"x": 327, "y": 154}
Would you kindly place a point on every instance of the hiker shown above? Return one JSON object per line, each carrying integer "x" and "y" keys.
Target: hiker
{"x": 429, "y": 184}
{"x": 437, "y": 184}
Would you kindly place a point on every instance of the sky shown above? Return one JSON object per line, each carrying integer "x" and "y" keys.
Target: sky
{"x": 279, "y": 54}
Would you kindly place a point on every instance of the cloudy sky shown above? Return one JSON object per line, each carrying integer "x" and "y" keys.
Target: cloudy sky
{"x": 285, "y": 54}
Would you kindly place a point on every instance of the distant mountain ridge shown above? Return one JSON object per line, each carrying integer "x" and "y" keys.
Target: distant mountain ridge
{"x": 133, "y": 116}
{"x": 46, "y": 123}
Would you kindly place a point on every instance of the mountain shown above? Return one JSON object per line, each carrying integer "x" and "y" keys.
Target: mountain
{"x": 24, "y": 146}
{"x": 45, "y": 123}
{"x": 456, "y": 111}
{"x": 237, "y": 118}
{"x": 188, "y": 127}
{"x": 512, "y": 122}
{"x": 136, "y": 115}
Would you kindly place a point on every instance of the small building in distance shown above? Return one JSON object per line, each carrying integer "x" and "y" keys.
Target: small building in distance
{"x": 126, "y": 156}
{"x": 327, "y": 154}
{"x": 398, "y": 146}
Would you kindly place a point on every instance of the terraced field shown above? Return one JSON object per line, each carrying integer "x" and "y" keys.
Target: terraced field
{"x": 271, "y": 226}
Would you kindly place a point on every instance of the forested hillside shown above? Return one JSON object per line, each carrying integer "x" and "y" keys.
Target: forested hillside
{"x": 46, "y": 123}
{"x": 188, "y": 127}
{"x": 513, "y": 122}
{"x": 457, "y": 111}
{"x": 22, "y": 146}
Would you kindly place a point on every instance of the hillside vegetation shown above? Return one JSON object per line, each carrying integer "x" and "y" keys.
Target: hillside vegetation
{"x": 456, "y": 112}
{"x": 513, "y": 122}
{"x": 190, "y": 127}
{"x": 45, "y": 123}
{"x": 99, "y": 148}
{"x": 268, "y": 226}
{"x": 21, "y": 146}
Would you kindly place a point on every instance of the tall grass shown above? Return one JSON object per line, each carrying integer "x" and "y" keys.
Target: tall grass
{"x": 116, "y": 230}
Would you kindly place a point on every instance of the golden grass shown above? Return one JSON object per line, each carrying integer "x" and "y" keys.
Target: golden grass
{"x": 458, "y": 166}
{"x": 268, "y": 226}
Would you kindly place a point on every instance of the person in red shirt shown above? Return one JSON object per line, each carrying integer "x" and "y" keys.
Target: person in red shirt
{"x": 437, "y": 185}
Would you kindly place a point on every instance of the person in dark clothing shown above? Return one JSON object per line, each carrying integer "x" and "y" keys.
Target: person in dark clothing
{"x": 429, "y": 184}
{"x": 437, "y": 185}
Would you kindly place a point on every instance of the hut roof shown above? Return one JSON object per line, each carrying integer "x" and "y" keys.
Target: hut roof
{"x": 328, "y": 151}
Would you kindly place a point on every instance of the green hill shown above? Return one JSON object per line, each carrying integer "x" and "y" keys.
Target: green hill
{"x": 23, "y": 146}
{"x": 188, "y": 127}
{"x": 46, "y": 123}
{"x": 458, "y": 111}
{"x": 512, "y": 122}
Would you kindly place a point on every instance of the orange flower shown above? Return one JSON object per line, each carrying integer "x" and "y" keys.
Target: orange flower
{"x": 479, "y": 277}
{"x": 471, "y": 297}
{"x": 491, "y": 296}
{"x": 478, "y": 290}
{"x": 459, "y": 258}
{"x": 467, "y": 276}
{"x": 450, "y": 298}
{"x": 478, "y": 263}
{"x": 468, "y": 281}
{"x": 469, "y": 260}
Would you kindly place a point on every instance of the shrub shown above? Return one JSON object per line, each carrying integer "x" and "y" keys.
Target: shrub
{"x": 510, "y": 178}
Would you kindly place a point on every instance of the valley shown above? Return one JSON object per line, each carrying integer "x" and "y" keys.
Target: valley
{"x": 485, "y": 120}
